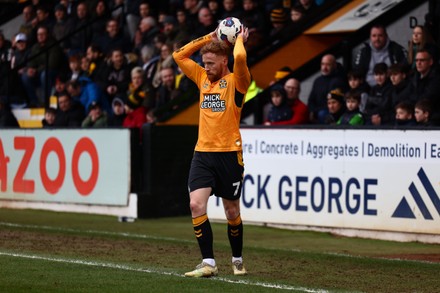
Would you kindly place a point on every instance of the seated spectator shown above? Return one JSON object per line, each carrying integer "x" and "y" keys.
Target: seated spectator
{"x": 300, "y": 111}
{"x": 352, "y": 114}
{"x": 422, "y": 113}
{"x": 81, "y": 40}
{"x": 96, "y": 118}
{"x": 69, "y": 114}
{"x": 84, "y": 91}
{"x": 118, "y": 113}
{"x": 15, "y": 91}
{"x": 140, "y": 90}
{"x": 279, "y": 111}
{"x": 97, "y": 62}
{"x": 425, "y": 83}
{"x": 297, "y": 13}
{"x": 101, "y": 16}
{"x": 216, "y": 9}
{"x": 49, "y": 118}
{"x": 206, "y": 24}
{"x": 421, "y": 39}
{"x": 380, "y": 49}
{"x": 231, "y": 9}
{"x": 135, "y": 14}
{"x": 335, "y": 105}
{"x": 332, "y": 77}
{"x": 171, "y": 30}
{"x": 75, "y": 67}
{"x": 7, "y": 118}
{"x": 146, "y": 32}
{"x": 136, "y": 113}
{"x": 356, "y": 81}
{"x": 113, "y": 39}
{"x": 405, "y": 114}
{"x": 115, "y": 76}
{"x": 279, "y": 20}
{"x": 63, "y": 26}
{"x": 401, "y": 86}
{"x": 34, "y": 77}
{"x": 254, "y": 19}
{"x": 27, "y": 26}
{"x": 378, "y": 109}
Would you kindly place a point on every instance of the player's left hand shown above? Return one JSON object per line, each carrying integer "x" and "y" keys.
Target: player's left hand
{"x": 244, "y": 33}
{"x": 214, "y": 35}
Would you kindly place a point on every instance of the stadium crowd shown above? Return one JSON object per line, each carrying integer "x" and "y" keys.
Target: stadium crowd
{"x": 110, "y": 64}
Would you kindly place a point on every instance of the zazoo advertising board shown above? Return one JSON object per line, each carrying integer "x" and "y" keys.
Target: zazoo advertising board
{"x": 65, "y": 166}
{"x": 386, "y": 180}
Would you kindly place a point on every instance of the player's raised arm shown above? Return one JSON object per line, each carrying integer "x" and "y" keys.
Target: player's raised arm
{"x": 241, "y": 71}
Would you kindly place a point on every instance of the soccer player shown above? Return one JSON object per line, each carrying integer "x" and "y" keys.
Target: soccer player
{"x": 217, "y": 165}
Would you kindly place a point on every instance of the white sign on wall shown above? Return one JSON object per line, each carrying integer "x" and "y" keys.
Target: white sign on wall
{"x": 65, "y": 166}
{"x": 385, "y": 180}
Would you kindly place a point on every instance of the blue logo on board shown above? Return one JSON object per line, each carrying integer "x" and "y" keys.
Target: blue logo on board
{"x": 404, "y": 210}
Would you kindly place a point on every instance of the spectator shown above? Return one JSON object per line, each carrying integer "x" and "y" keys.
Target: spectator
{"x": 279, "y": 20}
{"x": 165, "y": 60}
{"x": 356, "y": 81}
{"x": 216, "y": 9}
{"x": 308, "y": 5}
{"x": 75, "y": 67}
{"x": 5, "y": 64}
{"x": 96, "y": 118}
{"x": 97, "y": 62}
{"x": 133, "y": 17}
{"x": 35, "y": 75}
{"x": 335, "y": 105}
{"x": 43, "y": 18}
{"x": 172, "y": 31}
{"x": 112, "y": 39}
{"x": 297, "y": 13}
{"x": 49, "y": 118}
{"x": 405, "y": 114}
{"x": 15, "y": 91}
{"x": 379, "y": 49}
{"x": 300, "y": 111}
{"x": 206, "y": 23}
{"x": 118, "y": 113}
{"x": 148, "y": 29}
{"x": 352, "y": 114}
{"x": 231, "y": 9}
{"x": 378, "y": 110}
{"x": 167, "y": 91}
{"x": 62, "y": 27}
{"x": 331, "y": 78}
{"x": 69, "y": 114}
{"x": 254, "y": 19}
{"x": 115, "y": 76}
{"x": 192, "y": 10}
{"x": 140, "y": 90}
{"x": 421, "y": 40}
{"x": 81, "y": 40}
{"x": 422, "y": 113}
{"x": 7, "y": 118}
{"x": 101, "y": 16}
{"x": 401, "y": 86}
{"x": 27, "y": 26}
{"x": 84, "y": 91}
{"x": 136, "y": 113}
{"x": 279, "y": 111}
{"x": 426, "y": 82}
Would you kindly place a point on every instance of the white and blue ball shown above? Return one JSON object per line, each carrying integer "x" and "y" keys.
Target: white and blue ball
{"x": 228, "y": 30}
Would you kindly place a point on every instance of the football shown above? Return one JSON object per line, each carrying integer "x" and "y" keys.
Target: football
{"x": 228, "y": 30}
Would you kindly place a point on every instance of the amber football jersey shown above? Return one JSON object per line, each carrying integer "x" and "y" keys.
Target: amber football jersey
{"x": 221, "y": 101}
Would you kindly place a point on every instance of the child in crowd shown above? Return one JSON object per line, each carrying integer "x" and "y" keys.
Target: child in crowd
{"x": 49, "y": 118}
{"x": 279, "y": 110}
{"x": 405, "y": 114}
{"x": 352, "y": 116}
{"x": 356, "y": 81}
{"x": 401, "y": 90}
{"x": 378, "y": 109}
{"x": 335, "y": 105}
{"x": 422, "y": 113}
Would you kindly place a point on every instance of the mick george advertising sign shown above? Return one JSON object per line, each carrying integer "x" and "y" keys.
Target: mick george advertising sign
{"x": 385, "y": 180}
{"x": 65, "y": 166}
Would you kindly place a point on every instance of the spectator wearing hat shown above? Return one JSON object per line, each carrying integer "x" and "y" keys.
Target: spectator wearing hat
{"x": 16, "y": 93}
{"x": 279, "y": 111}
{"x": 332, "y": 77}
{"x": 335, "y": 106}
{"x": 278, "y": 19}
{"x": 352, "y": 114}
{"x": 118, "y": 112}
{"x": 96, "y": 118}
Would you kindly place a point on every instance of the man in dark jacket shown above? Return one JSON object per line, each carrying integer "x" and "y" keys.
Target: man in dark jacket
{"x": 380, "y": 49}
{"x": 332, "y": 77}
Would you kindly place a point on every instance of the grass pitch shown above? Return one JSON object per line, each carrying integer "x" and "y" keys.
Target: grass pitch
{"x": 43, "y": 251}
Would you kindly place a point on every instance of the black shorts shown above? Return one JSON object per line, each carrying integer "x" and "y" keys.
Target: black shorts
{"x": 222, "y": 171}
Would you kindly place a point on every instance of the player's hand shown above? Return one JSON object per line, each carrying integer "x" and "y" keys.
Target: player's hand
{"x": 244, "y": 33}
{"x": 214, "y": 35}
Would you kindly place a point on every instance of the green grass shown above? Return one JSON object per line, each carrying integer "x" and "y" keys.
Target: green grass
{"x": 53, "y": 252}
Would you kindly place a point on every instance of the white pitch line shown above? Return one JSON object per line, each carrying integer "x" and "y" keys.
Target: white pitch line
{"x": 151, "y": 271}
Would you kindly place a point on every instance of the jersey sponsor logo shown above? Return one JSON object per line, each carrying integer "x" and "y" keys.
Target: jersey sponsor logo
{"x": 213, "y": 102}
{"x": 223, "y": 84}
{"x": 405, "y": 210}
